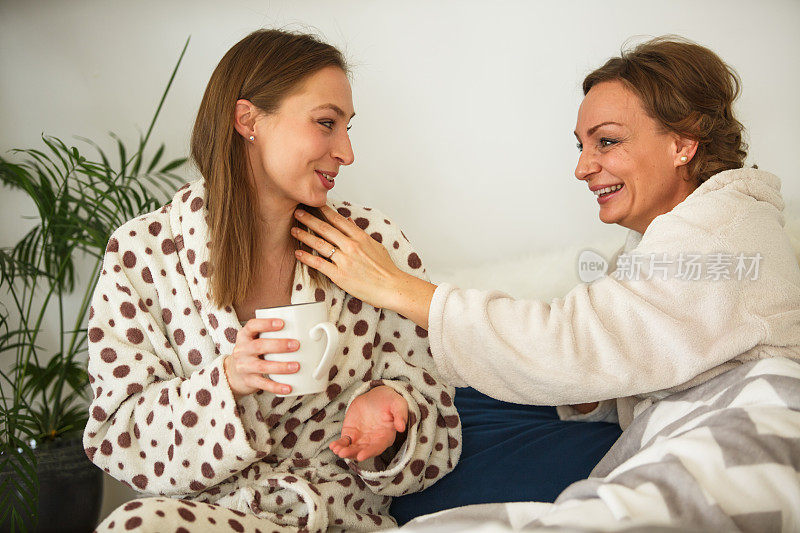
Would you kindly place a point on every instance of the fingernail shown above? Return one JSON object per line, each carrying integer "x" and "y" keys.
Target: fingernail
{"x": 298, "y": 254}
{"x": 294, "y": 345}
{"x": 300, "y": 213}
{"x": 295, "y": 231}
{"x": 285, "y": 390}
{"x": 294, "y": 366}
{"x": 277, "y": 323}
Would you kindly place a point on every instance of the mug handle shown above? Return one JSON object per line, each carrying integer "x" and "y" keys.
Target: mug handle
{"x": 330, "y": 348}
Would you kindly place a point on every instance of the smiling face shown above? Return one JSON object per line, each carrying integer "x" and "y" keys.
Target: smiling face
{"x": 304, "y": 142}
{"x": 628, "y": 158}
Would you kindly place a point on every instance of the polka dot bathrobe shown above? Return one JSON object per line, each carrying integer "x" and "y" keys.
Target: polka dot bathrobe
{"x": 164, "y": 421}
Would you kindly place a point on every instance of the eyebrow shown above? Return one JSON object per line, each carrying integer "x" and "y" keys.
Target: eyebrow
{"x": 597, "y": 127}
{"x": 335, "y": 108}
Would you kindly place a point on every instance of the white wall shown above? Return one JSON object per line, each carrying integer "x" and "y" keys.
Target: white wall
{"x": 465, "y": 108}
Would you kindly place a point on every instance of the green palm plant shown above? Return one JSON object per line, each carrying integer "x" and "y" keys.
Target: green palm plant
{"x": 44, "y": 394}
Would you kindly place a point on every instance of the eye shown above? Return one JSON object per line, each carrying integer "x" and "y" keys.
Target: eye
{"x": 327, "y": 123}
{"x": 580, "y": 146}
{"x": 605, "y": 142}
{"x": 349, "y": 126}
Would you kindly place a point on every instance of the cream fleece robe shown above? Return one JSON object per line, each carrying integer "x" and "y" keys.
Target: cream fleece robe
{"x": 164, "y": 421}
{"x": 638, "y": 340}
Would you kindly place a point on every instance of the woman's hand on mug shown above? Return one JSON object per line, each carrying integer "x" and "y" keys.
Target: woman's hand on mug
{"x": 245, "y": 369}
{"x": 361, "y": 265}
{"x": 371, "y": 424}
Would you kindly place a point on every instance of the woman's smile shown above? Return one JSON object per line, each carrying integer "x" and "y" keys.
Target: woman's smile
{"x": 326, "y": 178}
{"x": 606, "y": 193}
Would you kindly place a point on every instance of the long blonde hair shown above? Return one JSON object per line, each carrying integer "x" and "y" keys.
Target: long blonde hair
{"x": 263, "y": 68}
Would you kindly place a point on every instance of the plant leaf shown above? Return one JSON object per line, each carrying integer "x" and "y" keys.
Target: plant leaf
{"x": 19, "y": 485}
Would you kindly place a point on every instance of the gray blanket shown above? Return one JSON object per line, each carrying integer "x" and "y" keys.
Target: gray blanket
{"x": 723, "y": 456}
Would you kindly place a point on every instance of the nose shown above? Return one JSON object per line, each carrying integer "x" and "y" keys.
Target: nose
{"x": 587, "y": 165}
{"x": 343, "y": 150}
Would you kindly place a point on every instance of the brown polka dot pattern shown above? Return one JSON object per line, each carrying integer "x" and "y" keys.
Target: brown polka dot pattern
{"x": 134, "y": 335}
{"x": 129, "y": 259}
{"x": 95, "y": 334}
{"x": 156, "y": 348}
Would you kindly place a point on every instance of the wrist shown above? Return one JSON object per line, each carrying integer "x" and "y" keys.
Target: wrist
{"x": 393, "y": 297}
{"x": 227, "y": 378}
{"x": 411, "y": 297}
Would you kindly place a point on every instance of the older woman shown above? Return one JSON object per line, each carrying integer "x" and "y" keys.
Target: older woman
{"x": 701, "y": 315}
{"x": 183, "y": 410}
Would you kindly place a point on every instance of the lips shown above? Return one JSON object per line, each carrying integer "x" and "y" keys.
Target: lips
{"x": 605, "y": 194}
{"x": 327, "y": 183}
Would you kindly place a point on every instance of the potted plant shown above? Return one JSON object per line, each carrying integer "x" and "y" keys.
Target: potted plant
{"x": 45, "y": 476}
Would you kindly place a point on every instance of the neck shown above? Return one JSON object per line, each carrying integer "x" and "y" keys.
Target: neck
{"x": 276, "y": 216}
{"x": 680, "y": 196}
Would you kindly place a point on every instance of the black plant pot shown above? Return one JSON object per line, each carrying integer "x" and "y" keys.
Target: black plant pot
{"x": 70, "y": 488}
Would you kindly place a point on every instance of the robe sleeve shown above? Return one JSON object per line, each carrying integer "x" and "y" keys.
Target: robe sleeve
{"x": 403, "y": 362}
{"x": 151, "y": 425}
{"x": 633, "y": 332}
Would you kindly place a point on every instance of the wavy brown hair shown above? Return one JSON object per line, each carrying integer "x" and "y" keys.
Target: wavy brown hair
{"x": 690, "y": 91}
{"x": 265, "y": 67}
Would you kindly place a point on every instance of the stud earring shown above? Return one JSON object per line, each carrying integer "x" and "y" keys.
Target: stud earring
{"x": 684, "y": 159}
{"x": 252, "y": 138}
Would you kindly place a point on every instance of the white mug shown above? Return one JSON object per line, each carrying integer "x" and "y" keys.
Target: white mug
{"x": 304, "y": 322}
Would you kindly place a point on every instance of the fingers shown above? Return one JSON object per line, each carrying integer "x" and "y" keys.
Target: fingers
{"x": 251, "y": 364}
{"x": 344, "y": 447}
{"x": 357, "y": 453}
{"x": 399, "y": 411}
{"x": 254, "y": 326}
{"x": 258, "y": 366}
{"x": 343, "y": 224}
{"x": 256, "y": 347}
{"x": 360, "y": 449}
{"x": 260, "y": 382}
{"x": 317, "y": 263}
{"x": 354, "y": 445}
{"x": 262, "y": 346}
{"x": 320, "y": 245}
{"x": 342, "y": 443}
{"x": 325, "y": 230}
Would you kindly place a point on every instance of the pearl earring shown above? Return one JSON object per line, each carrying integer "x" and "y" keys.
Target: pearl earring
{"x": 684, "y": 159}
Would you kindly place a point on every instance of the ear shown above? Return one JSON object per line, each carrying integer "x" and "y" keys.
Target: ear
{"x": 244, "y": 118}
{"x": 683, "y": 150}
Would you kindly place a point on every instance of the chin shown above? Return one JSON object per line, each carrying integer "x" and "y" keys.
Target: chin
{"x": 318, "y": 202}
{"x": 608, "y": 218}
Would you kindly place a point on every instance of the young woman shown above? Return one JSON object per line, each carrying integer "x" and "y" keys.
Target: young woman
{"x": 689, "y": 345}
{"x": 182, "y": 407}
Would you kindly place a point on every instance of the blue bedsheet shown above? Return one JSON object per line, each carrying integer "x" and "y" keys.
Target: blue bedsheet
{"x": 511, "y": 453}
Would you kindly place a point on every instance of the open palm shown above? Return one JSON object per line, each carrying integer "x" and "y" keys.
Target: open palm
{"x": 371, "y": 424}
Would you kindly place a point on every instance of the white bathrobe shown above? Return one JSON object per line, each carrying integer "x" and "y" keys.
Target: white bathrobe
{"x": 164, "y": 421}
{"x": 631, "y": 338}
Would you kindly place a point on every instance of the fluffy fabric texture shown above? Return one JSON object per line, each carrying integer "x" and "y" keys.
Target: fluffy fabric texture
{"x": 636, "y": 339}
{"x": 163, "y": 419}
